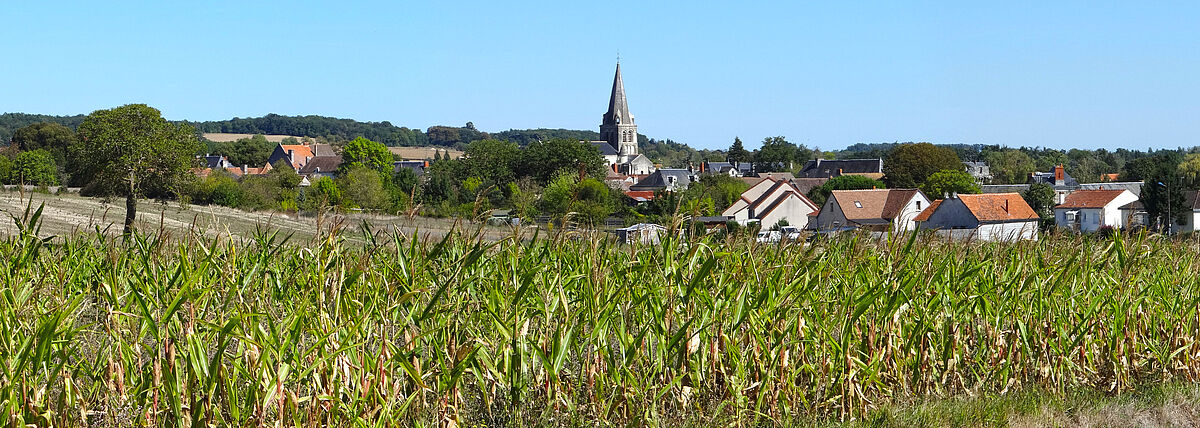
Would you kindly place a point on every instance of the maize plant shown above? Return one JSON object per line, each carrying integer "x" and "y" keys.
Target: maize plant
{"x": 388, "y": 329}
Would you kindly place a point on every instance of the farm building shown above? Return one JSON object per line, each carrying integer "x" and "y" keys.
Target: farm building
{"x": 1090, "y": 210}
{"x": 987, "y": 217}
{"x": 879, "y": 210}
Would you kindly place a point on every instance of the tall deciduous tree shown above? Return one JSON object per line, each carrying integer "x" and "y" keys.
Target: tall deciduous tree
{"x": 909, "y": 165}
{"x": 493, "y": 161}
{"x": 818, "y": 195}
{"x": 543, "y": 160}
{"x": 949, "y": 181}
{"x": 34, "y": 167}
{"x": 1010, "y": 166}
{"x": 51, "y": 137}
{"x": 131, "y": 150}
{"x": 361, "y": 152}
{"x": 776, "y": 154}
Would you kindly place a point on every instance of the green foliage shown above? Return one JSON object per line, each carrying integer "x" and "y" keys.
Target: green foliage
{"x": 909, "y": 165}
{"x": 492, "y": 161}
{"x": 1163, "y": 197}
{"x": 362, "y": 187}
{"x": 818, "y": 195}
{"x": 283, "y": 176}
{"x": 713, "y": 193}
{"x": 132, "y": 150}
{"x": 34, "y": 167}
{"x": 1040, "y": 197}
{"x": 950, "y": 181}
{"x": 364, "y": 153}
{"x": 333, "y": 129}
{"x": 737, "y": 153}
{"x": 777, "y": 154}
{"x": 454, "y": 137}
{"x": 1010, "y": 166}
{"x": 6, "y": 167}
{"x": 322, "y": 193}
{"x": 544, "y": 160}
{"x": 253, "y": 151}
{"x": 54, "y": 138}
{"x": 11, "y": 122}
{"x": 524, "y": 137}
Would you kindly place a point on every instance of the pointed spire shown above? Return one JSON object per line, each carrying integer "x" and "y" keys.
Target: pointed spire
{"x": 617, "y": 106}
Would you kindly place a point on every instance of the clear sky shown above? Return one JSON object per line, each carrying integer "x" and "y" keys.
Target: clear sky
{"x": 826, "y": 74}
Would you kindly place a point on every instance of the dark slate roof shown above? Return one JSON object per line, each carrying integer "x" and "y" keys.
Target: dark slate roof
{"x": 821, "y": 168}
{"x": 659, "y": 179}
{"x": 216, "y": 161}
{"x": 715, "y": 167}
{"x": 616, "y": 102}
{"x": 322, "y": 164}
{"x": 416, "y": 166}
{"x": 605, "y": 148}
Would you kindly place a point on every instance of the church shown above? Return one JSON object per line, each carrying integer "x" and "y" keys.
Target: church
{"x": 619, "y": 133}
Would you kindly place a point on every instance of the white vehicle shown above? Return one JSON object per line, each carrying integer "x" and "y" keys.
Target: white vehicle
{"x": 769, "y": 236}
{"x": 791, "y": 233}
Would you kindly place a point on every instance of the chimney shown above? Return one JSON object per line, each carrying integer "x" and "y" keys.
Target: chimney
{"x": 953, "y": 195}
{"x": 1059, "y": 175}
{"x": 818, "y": 162}
{"x": 839, "y": 172}
{"x": 426, "y": 164}
{"x": 945, "y": 195}
{"x": 244, "y": 168}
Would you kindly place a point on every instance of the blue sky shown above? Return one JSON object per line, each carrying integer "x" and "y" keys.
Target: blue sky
{"x": 825, "y": 74}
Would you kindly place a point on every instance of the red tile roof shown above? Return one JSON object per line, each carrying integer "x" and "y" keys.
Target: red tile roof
{"x": 1090, "y": 198}
{"x": 640, "y": 195}
{"x": 924, "y": 215}
{"x": 998, "y": 207}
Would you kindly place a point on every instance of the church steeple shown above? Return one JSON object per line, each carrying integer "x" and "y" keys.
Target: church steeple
{"x": 617, "y": 126}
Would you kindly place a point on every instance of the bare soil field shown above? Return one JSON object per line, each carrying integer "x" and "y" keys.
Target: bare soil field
{"x": 221, "y": 137}
{"x": 418, "y": 153}
{"x": 65, "y": 215}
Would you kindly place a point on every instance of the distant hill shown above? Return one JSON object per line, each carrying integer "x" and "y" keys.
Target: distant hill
{"x": 10, "y": 122}
{"x": 665, "y": 152}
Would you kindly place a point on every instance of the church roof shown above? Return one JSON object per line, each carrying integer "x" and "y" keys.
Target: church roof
{"x": 617, "y": 106}
{"x": 605, "y": 148}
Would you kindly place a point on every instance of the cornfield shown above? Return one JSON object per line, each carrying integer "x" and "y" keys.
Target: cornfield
{"x": 391, "y": 330}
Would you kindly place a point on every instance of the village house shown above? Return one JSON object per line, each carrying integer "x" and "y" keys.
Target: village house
{"x": 985, "y": 217}
{"x": 980, "y": 171}
{"x": 1091, "y": 210}
{"x": 670, "y": 180}
{"x": 829, "y": 168}
{"x": 771, "y": 202}
{"x": 298, "y": 155}
{"x": 878, "y": 210}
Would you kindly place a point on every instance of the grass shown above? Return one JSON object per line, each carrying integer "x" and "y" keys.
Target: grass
{"x": 384, "y": 328}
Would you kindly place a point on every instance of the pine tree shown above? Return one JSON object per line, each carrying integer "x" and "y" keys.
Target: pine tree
{"x": 737, "y": 153}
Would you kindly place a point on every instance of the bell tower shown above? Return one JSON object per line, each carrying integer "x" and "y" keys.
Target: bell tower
{"x": 617, "y": 127}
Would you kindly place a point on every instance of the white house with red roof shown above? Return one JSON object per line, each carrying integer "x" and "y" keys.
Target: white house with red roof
{"x": 985, "y": 217}
{"x": 770, "y": 202}
{"x": 1091, "y": 210}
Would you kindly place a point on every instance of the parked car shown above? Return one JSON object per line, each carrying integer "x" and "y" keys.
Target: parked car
{"x": 791, "y": 233}
{"x": 769, "y": 236}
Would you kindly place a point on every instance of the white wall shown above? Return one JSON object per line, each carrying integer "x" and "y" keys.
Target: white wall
{"x": 1012, "y": 231}
{"x": 1112, "y": 212}
{"x": 793, "y": 209}
{"x": 904, "y": 219}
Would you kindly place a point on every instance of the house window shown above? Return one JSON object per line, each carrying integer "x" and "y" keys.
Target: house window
{"x": 918, "y": 204}
{"x": 858, "y": 204}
